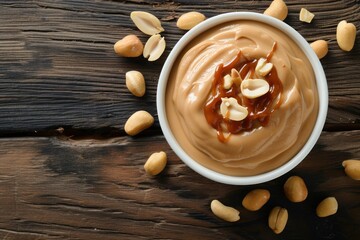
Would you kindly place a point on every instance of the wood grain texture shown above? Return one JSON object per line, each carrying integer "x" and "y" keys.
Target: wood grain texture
{"x": 58, "y": 68}
{"x": 53, "y": 188}
{"x": 68, "y": 172}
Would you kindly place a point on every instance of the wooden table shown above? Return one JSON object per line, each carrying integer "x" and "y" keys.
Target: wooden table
{"x": 68, "y": 170}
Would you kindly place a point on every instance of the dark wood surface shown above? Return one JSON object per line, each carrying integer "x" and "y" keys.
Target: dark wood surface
{"x": 68, "y": 171}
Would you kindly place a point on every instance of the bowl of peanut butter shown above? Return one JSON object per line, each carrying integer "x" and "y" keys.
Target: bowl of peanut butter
{"x": 242, "y": 98}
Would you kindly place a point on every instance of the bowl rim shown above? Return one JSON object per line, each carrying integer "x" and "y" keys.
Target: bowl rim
{"x": 320, "y": 82}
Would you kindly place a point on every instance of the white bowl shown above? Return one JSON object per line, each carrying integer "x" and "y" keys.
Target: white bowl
{"x": 320, "y": 81}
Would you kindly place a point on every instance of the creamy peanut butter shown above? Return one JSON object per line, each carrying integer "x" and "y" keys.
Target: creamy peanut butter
{"x": 266, "y": 145}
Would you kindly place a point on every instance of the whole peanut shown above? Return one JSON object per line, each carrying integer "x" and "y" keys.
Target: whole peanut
{"x": 327, "y": 207}
{"x": 189, "y": 20}
{"x": 346, "y": 35}
{"x": 255, "y": 199}
{"x": 155, "y": 163}
{"x": 226, "y": 213}
{"x": 352, "y": 168}
{"x": 277, "y": 219}
{"x": 135, "y": 82}
{"x": 320, "y": 47}
{"x": 277, "y": 9}
{"x": 129, "y": 46}
{"x": 138, "y": 122}
{"x": 295, "y": 189}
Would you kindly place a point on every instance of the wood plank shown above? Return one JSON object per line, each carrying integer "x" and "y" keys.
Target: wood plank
{"x": 58, "y": 68}
{"x": 53, "y": 188}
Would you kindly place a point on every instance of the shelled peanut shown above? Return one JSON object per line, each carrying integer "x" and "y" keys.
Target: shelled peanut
{"x": 256, "y": 199}
{"x": 129, "y": 46}
{"x": 155, "y": 163}
{"x": 277, "y": 9}
{"x": 138, "y": 122}
{"x": 278, "y": 218}
{"x": 224, "y": 212}
{"x": 346, "y": 35}
{"x": 135, "y": 82}
{"x": 320, "y": 48}
{"x": 327, "y": 207}
{"x": 295, "y": 189}
{"x": 189, "y": 20}
{"x": 352, "y": 168}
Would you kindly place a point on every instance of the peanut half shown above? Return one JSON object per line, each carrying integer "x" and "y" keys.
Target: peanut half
{"x": 277, "y": 219}
{"x": 352, "y": 168}
{"x": 254, "y": 88}
{"x": 155, "y": 163}
{"x": 233, "y": 77}
{"x": 263, "y": 68}
{"x": 295, "y": 189}
{"x": 277, "y": 9}
{"x": 346, "y": 35}
{"x": 305, "y": 15}
{"x": 231, "y": 109}
{"x": 189, "y": 20}
{"x": 138, "y": 122}
{"x": 320, "y": 47}
{"x": 256, "y": 199}
{"x": 226, "y": 213}
{"x": 327, "y": 207}
{"x": 129, "y": 46}
{"x": 154, "y": 47}
{"x": 135, "y": 82}
{"x": 146, "y": 22}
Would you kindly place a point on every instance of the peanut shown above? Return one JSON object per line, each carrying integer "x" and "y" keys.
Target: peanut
{"x": 231, "y": 109}
{"x": 255, "y": 199}
{"x": 129, "y": 46}
{"x": 135, "y": 82}
{"x": 352, "y": 168}
{"x": 277, "y": 9}
{"x": 305, "y": 15}
{"x": 138, "y": 122}
{"x": 154, "y": 47}
{"x": 254, "y": 88}
{"x": 189, "y": 20}
{"x": 155, "y": 163}
{"x": 226, "y": 213}
{"x": 146, "y": 22}
{"x": 295, "y": 189}
{"x": 345, "y": 35}
{"x": 277, "y": 219}
{"x": 327, "y": 207}
{"x": 263, "y": 67}
{"x": 320, "y": 47}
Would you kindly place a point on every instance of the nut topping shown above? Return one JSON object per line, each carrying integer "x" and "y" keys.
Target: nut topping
{"x": 254, "y": 88}
{"x": 262, "y": 67}
{"x": 231, "y": 109}
{"x": 235, "y": 75}
{"x": 228, "y": 82}
{"x": 146, "y": 22}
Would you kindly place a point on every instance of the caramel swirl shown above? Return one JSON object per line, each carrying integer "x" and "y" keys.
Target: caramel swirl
{"x": 259, "y": 108}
